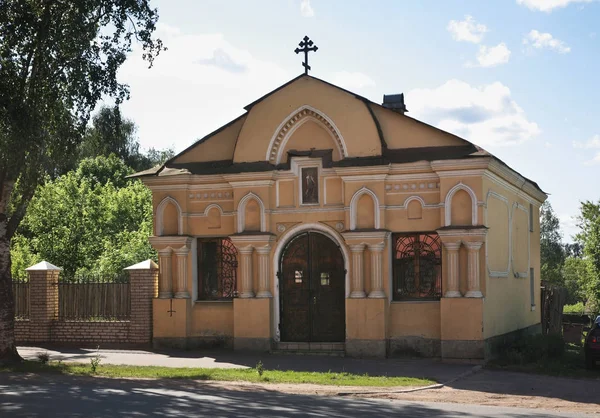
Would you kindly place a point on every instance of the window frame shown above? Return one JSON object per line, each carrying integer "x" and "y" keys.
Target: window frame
{"x": 220, "y": 267}
{"x": 396, "y": 297}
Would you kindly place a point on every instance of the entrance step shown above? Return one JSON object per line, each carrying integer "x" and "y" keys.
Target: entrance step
{"x": 323, "y": 349}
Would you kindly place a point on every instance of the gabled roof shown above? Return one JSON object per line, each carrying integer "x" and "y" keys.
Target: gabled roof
{"x": 389, "y": 155}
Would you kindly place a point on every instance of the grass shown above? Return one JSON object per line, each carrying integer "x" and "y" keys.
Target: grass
{"x": 240, "y": 375}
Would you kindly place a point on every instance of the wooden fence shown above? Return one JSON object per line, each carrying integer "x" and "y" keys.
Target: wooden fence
{"x": 94, "y": 298}
{"x": 553, "y": 300}
{"x": 21, "y": 295}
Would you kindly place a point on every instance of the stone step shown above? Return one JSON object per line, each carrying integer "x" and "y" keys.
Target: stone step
{"x": 324, "y": 348}
{"x": 337, "y": 353}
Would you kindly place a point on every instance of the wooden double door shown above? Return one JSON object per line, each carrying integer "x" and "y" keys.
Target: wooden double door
{"x": 312, "y": 290}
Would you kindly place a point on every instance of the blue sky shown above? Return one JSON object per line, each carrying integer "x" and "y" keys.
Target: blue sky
{"x": 518, "y": 77}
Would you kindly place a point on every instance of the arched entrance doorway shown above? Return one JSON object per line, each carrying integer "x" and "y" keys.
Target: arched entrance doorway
{"x": 312, "y": 290}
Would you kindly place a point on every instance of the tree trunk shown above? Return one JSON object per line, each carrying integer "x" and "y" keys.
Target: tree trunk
{"x": 8, "y": 348}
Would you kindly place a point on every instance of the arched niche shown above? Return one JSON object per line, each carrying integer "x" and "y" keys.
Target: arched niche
{"x": 414, "y": 207}
{"x": 311, "y": 133}
{"x": 364, "y": 210}
{"x": 169, "y": 219}
{"x": 295, "y": 120}
{"x": 213, "y": 215}
{"x": 461, "y": 210}
{"x": 251, "y": 214}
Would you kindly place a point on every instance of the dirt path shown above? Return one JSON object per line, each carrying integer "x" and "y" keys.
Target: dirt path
{"x": 486, "y": 387}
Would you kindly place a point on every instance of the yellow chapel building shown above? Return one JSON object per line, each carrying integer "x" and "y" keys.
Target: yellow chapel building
{"x": 322, "y": 221}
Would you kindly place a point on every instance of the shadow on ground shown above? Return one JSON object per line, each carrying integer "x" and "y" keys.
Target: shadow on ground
{"x": 53, "y": 395}
{"x": 488, "y": 382}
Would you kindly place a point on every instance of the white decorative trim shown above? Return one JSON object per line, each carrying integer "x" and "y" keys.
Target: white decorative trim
{"x": 159, "y": 216}
{"x": 417, "y": 198}
{"x": 363, "y": 178}
{"x": 282, "y": 242}
{"x": 491, "y": 273}
{"x": 251, "y": 183}
{"x": 292, "y": 122}
{"x": 296, "y": 166}
{"x": 212, "y": 206}
{"x": 448, "y": 203}
{"x": 520, "y": 274}
{"x": 241, "y": 212}
{"x": 354, "y": 209}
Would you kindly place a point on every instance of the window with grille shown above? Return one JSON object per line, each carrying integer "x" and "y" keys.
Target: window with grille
{"x": 217, "y": 269}
{"x": 417, "y": 266}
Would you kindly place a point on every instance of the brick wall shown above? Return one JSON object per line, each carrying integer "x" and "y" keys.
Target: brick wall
{"x": 43, "y": 325}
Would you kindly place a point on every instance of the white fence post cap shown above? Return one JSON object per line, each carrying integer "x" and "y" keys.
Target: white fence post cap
{"x": 144, "y": 265}
{"x": 43, "y": 266}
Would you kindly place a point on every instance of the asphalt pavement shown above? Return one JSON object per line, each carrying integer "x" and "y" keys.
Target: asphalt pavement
{"x": 70, "y": 396}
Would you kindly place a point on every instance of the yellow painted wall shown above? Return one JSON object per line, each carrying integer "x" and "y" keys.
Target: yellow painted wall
{"x": 508, "y": 303}
{"x": 462, "y": 319}
{"x": 415, "y": 319}
{"x": 212, "y": 319}
{"x": 311, "y": 135}
{"x": 216, "y": 148}
{"x": 349, "y": 114}
{"x": 402, "y": 131}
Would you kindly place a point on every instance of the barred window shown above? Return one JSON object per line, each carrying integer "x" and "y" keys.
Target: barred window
{"x": 417, "y": 266}
{"x": 217, "y": 269}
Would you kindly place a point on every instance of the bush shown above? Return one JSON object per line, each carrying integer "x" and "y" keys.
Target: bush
{"x": 577, "y": 308}
{"x": 534, "y": 348}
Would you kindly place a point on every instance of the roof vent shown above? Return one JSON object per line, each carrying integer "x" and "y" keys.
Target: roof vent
{"x": 394, "y": 102}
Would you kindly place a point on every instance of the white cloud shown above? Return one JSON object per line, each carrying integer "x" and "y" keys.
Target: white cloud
{"x": 467, "y": 30}
{"x": 492, "y": 56}
{"x": 306, "y": 9}
{"x": 485, "y": 115}
{"x": 541, "y": 40}
{"x": 549, "y": 5}
{"x": 592, "y": 143}
{"x": 200, "y": 83}
{"x": 353, "y": 80}
{"x": 568, "y": 224}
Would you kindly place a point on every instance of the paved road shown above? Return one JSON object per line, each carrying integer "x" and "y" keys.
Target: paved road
{"x": 68, "y": 396}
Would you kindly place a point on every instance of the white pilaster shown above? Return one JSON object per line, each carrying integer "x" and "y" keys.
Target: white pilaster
{"x": 377, "y": 270}
{"x": 246, "y": 271}
{"x": 263, "y": 272}
{"x": 474, "y": 289}
{"x": 165, "y": 282}
{"x": 358, "y": 281}
{"x": 181, "y": 255}
{"x": 452, "y": 269}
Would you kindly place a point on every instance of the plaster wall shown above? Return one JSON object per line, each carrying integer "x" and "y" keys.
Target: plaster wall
{"x": 350, "y": 114}
{"x": 508, "y": 302}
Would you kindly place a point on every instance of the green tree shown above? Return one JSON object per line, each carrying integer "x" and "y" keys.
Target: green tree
{"x": 83, "y": 221}
{"x": 552, "y": 250}
{"x": 58, "y": 58}
{"x": 110, "y": 133}
{"x": 589, "y": 238}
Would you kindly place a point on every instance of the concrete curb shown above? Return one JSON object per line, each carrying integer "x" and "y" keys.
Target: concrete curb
{"x": 473, "y": 370}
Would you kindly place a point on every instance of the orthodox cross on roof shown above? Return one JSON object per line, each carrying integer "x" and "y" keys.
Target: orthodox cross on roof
{"x": 306, "y": 45}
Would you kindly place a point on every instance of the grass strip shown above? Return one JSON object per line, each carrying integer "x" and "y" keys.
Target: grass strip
{"x": 231, "y": 375}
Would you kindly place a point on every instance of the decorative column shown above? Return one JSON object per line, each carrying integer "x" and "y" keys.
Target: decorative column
{"x": 165, "y": 283}
{"x": 473, "y": 270}
{"x": 358, "y": 281}
{"x": 181, "y": 291}
{"x": 246, "y": 271}
{"x": 452, "y": 269}
{"x": 377, "y": 270}
{"x": 263, "y": 271}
